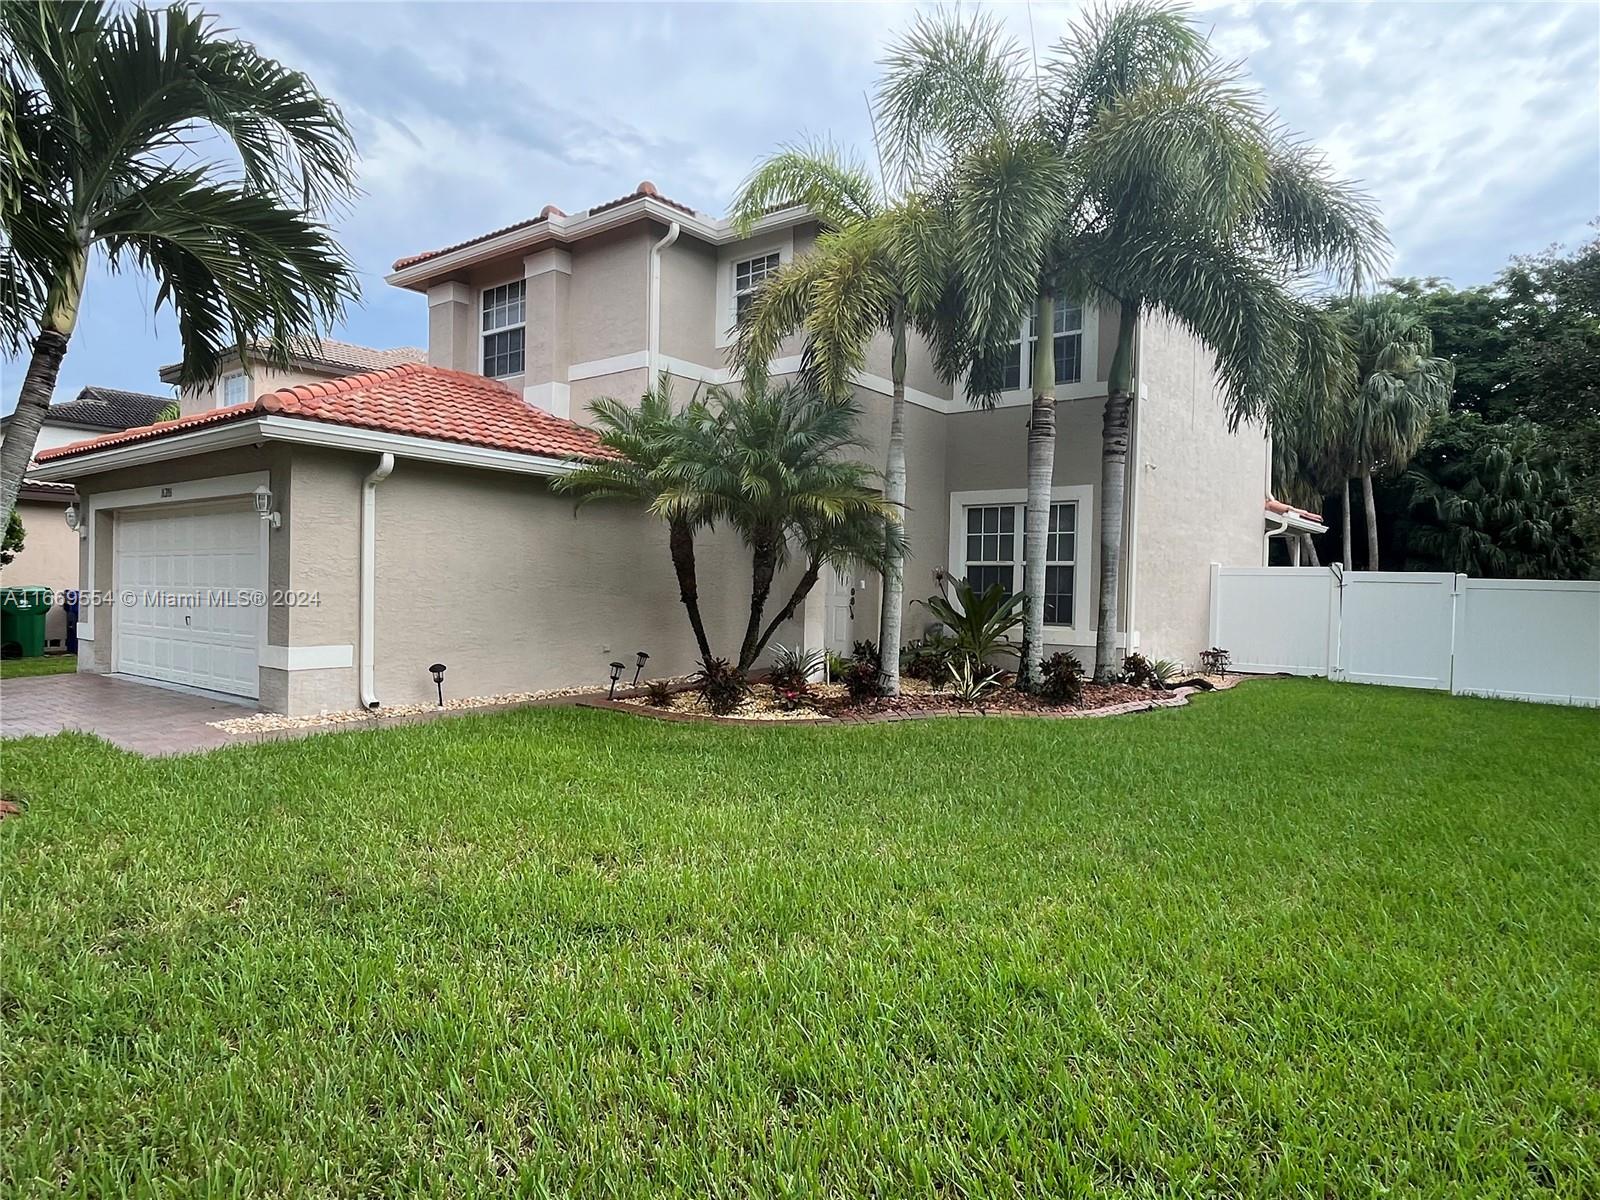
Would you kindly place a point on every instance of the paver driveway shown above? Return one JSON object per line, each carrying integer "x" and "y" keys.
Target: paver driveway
{"x": 135, "y": 716}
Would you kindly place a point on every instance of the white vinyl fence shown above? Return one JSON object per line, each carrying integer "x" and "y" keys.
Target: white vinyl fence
{"x": 1524, "y": 639}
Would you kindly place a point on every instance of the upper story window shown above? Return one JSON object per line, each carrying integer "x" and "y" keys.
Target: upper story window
{"x": 1068, "y": 347}
{"x": 748, "y": 275}
{"x": 504, "y": 329}
{"x": 235, "y": 388}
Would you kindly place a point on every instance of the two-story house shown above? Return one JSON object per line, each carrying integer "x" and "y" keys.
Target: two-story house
{"x": 407, "y": 516}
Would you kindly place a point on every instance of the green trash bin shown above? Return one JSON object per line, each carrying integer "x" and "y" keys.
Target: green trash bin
{"x": 22, "y": 612}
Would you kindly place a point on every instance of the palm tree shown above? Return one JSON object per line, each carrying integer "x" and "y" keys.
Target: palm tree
{"x": 1195, "y": 206}
{"x": 643, "y": 440}
{"x": 170, "y": 149}
{"x": 1401, "y": 388}
{"x": 964, "y": 123}
{"x": 878, "y": 267}
{"x": 770, "y": 462}
{"x": 1182, "y": 199}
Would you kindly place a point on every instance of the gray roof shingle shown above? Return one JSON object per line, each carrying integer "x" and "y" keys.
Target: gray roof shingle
{"x": 108, "y": 408}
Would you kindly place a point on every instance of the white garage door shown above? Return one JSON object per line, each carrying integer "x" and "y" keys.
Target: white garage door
{"x": 185, "y": 609}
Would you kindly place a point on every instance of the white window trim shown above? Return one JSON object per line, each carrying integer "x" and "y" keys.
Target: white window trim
{"x": 222, "y": 392}
{"x": 1081, "y": 631}
{"x": 483, "y": 334}
{"x": 725, "y": 317}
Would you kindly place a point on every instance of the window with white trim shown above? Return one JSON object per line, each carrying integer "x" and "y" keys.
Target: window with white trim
{"x": 504, "y": 329}
{"x": 748, "y": 276}
{"x": 1067, "y": 344}
{"x": 995, "y": 554}
{"x": 235, "y": 388}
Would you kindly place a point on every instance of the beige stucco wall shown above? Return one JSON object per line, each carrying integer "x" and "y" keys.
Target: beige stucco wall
{"x": 499, "y": 579}
{"x": 608, "y": 294}
{"x": 1200, "y": 492}
{"x": 49, "y": 558}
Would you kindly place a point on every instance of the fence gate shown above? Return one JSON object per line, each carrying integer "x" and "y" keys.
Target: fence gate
{"x": 1395, "y": 627}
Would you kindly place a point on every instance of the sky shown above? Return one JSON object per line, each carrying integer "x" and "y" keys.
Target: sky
{"x": 1475, "y": 126}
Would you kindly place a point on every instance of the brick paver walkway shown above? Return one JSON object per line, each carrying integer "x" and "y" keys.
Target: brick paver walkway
{"x": 148, "y": 720}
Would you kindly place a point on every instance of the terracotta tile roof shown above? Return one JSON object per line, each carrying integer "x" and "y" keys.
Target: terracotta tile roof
{"x": 415, "y": 400}
{"x": 336, "y": 356}
{"x": 645, "y": 188}
{"x": 1278, "y": 508}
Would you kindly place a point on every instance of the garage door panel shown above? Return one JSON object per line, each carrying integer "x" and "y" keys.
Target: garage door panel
{"x": 181, "y": 579}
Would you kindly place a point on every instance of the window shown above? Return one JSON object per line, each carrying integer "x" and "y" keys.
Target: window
{"x": 748, "y": 276}
{"x": 504, "y": 332}
{"x": 1068, "y": 347}
{"x": 994, "y": 553}
{"x": 235, "y": 388}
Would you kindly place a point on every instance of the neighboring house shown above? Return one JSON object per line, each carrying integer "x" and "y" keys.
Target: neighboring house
{"x": 414, "y": 522}
{"x": 49, "y": 556}
{"x": 311, "y": 361}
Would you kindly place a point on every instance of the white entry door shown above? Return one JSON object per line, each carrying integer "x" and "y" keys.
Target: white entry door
{"x": 185, "y": 608}
{"x": 839, "y": 634}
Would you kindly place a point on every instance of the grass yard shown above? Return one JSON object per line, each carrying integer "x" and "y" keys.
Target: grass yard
{"x": 1295, "y": 939}
{"x": 46, "y": 664}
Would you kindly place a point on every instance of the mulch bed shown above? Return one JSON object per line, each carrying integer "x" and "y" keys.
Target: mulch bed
{"x": 829, "y": 704}
{"x": 1000, "y": 701}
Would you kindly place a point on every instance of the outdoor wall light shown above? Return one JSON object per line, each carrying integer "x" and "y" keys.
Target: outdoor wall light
{"x": 616, "y": 674}
{"x": 438, "y": 670}
{"x": 74, "y": 519}
{"x": 639, "y": 669}
{"x": 263, "y": 498}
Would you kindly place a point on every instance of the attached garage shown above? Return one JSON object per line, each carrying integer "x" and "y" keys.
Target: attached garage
{"x": 188, "y": 587}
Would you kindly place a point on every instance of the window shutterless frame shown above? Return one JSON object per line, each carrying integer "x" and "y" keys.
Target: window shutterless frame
{"x": 502, "y": 342}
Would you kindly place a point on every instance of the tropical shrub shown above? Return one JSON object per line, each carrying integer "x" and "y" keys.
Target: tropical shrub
{"x": 971, "y": 681}
{"x": 659, "y": 693}
{"x": 980, "y": 623}
{"x": 866, "y": 651}
{"x": 929, "y": 658}
{"x": 1165, "y": 670}
{"x": 861, "y": 679}
{"x": 789, "y": 696}
{"x": 1061, "y": 679}
{"x": 793, "y": 666}
{"x": 723, "y": 687}
{"x": 1138, "y": 671}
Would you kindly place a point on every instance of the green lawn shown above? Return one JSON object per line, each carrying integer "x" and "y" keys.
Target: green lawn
{"x": 1296, "y": 939}
{"x": 48, "y": 664}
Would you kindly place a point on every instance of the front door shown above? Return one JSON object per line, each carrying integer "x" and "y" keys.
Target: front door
{"x": 840, "y": 631}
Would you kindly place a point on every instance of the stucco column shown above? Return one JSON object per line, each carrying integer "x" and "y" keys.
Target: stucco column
{"x": 548, "y": 275}
{"x": 451, "y": 340}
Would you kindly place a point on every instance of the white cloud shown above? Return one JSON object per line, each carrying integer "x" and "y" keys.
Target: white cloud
{"x": 1476, "y": 126}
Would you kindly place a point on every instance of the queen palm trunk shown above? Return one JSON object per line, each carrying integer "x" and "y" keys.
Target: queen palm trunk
{"x": 1349, "y": 564}
{"x": 1311, "y": 550}
{"x": 1041, "y": 476}
{"x": 1113, "y": 490}
{"x": 894, "y": 491}
{"x": 1372, "y": 518}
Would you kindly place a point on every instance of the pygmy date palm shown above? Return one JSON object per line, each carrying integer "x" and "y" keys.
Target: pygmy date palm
{"x": 171, "y": 149}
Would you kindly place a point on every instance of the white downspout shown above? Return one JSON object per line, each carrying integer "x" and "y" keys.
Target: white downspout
{"x": 1266, "y": 539}
{"x": 369, "y": 571}
{"x": 1135, "y": 475}
{"x": 653, "y": 318}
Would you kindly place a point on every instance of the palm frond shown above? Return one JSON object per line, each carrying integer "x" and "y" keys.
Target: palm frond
{"x": 828, "y": 181}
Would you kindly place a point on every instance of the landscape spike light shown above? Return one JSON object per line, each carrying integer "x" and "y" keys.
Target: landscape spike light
{"x": 437, "y": 671}
{"x": 616, "y": 674}
{"x": 639, "y": 669}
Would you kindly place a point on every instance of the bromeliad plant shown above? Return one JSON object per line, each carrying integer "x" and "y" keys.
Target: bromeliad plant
{"x": 980, "y": 623}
